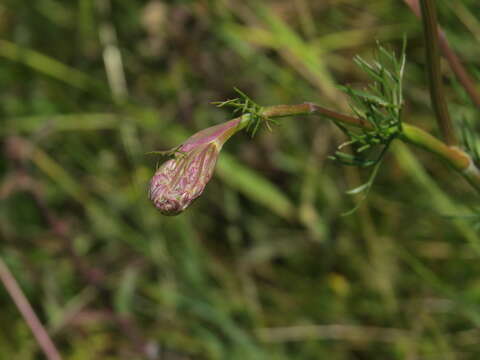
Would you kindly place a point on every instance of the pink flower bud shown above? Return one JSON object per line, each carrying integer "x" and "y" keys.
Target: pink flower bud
{"x": 182, "y": 179}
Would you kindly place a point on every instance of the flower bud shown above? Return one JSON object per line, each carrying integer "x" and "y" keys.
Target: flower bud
{"x": 180, "y": 180}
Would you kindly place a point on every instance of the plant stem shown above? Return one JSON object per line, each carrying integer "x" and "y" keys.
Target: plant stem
{"x": 452, "y": 58}
{"x": 429, "y": 17}
{"x": 41, "y": 335}
{"x": 309, "y": 108}
{"x": 452, "y": 155}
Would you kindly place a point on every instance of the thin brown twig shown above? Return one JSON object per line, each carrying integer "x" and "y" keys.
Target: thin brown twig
{"x": 437, "y": 95}
{"x": 24, "y": 307}
{"x": 452, "y": 58}
{"x": 18, "y": 151}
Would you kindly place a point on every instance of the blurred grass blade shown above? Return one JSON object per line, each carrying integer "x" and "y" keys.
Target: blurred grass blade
{"x": 358, "y": 190}
{"x": 254, "y": 186}
{"x": 439, "y": 200}
{"x": 47, "y": 66}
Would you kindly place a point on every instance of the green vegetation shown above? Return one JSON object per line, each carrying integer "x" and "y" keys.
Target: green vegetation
{"x": 263, "y": 265}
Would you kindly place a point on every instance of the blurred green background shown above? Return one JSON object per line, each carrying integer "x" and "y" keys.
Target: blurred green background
{"x": 263, "y": 265}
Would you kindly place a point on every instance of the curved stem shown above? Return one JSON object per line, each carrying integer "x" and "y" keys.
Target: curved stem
{"x": 41, "y": 335}
{"x": 453, "y": 156}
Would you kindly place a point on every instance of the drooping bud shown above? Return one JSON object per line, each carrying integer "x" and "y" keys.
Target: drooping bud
{"x": 179, "y": 181}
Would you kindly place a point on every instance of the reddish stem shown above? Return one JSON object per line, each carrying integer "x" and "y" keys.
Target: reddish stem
{"x": 20, "y": 300}
{"x": 452, "y": 58}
